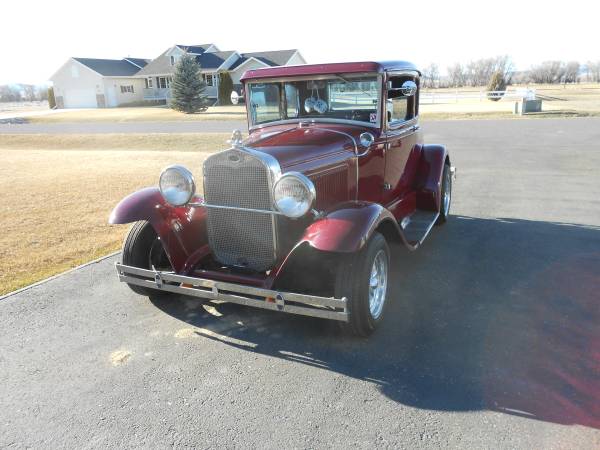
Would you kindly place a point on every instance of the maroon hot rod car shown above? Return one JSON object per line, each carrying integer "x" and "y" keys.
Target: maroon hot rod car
{"x": 298, "y": 217}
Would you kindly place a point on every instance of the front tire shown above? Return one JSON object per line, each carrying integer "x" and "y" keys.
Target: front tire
{"x": 143, "y": 249}
{"x": 362, "y": 278}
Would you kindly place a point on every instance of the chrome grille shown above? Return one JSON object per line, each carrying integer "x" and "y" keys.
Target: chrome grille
{"x": 239, "y": 238}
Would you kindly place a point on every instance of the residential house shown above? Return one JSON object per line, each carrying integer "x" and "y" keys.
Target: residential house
{"x": 159, "y": 73}
{"x": 98, "y": 83}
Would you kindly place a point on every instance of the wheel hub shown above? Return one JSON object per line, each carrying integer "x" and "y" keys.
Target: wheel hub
{"x": 378, "y": 284}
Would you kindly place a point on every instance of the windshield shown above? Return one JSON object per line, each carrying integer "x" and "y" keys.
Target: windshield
{"x": 341, "y": 97}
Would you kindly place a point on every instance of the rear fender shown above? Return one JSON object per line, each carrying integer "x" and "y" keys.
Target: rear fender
{"x": 182, "y": 230}
{"x": 347, "y": 228}
{"x": 429, "y": 177}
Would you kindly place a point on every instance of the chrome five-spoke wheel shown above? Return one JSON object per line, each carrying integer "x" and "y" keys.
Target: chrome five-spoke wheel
{"x": 362, "y": 279}
{"x": 378, "y": 284}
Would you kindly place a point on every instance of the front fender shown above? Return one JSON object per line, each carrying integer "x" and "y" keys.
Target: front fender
{"x": 429, "y": 177}
{"x": 347, "y": 228}
{"x": 141, "y": 205}
{"x": 182, "y": 230}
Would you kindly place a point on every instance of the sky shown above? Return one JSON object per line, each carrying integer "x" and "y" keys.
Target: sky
{"x": 37, "y": 37}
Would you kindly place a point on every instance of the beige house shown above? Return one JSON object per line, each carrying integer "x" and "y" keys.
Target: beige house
{"x": 98, "y": 83}
{"x": 105, "y": 83}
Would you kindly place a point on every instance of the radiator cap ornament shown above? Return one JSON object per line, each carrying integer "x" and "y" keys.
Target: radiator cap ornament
{"x": 236, "y": 137}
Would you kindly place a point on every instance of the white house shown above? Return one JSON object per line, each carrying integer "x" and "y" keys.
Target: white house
{"x": 100, "y": 83}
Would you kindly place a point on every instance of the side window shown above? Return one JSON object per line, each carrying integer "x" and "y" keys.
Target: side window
{"x": 400, "y": 108}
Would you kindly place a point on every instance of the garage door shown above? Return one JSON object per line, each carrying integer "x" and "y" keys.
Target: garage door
{"x": 80, "y": 98}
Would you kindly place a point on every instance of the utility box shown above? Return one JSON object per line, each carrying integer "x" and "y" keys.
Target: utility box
{"x": 525, "y": 106}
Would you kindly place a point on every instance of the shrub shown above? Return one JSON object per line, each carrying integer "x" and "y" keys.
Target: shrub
{"x": 188, "y": 87}
{"x": 497, "y": 83}
{"x": 51, "y": 99}
{"x": 225, "y": 88}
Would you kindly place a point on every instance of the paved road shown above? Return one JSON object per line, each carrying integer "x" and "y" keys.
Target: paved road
{"x": 205, "y": 126}
{"x": 491, "y": 338}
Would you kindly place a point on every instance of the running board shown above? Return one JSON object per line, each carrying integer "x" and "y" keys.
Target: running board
{"x": 417, "y": 226}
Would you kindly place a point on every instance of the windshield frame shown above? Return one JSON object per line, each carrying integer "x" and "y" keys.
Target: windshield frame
{"x": 342, "y": 76}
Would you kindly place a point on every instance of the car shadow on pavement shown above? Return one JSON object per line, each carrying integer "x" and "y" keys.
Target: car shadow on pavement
{"x": 497, "y": 314}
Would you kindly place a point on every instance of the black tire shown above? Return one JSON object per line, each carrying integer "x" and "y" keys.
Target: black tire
{"x": 446, "y": 188}
{"x": 143, "y": 249}
{"x": 353, "y": 282}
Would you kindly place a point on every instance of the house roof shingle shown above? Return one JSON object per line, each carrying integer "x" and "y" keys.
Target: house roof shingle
{"x": 111, "y": 67}
{"x": 272, "y": 58}
{"x": 199, "y": 49}
{"x": 141, "y": 62}
{"x": 213, "y": 60}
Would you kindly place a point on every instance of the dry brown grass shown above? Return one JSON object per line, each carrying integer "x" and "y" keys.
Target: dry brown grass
{"x": 141, "y": 114}
{"x": 573, "y": 100}
{"x": 58, "y": 191}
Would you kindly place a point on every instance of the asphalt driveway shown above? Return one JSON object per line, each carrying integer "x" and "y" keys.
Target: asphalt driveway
{"x": 491, "y": 340}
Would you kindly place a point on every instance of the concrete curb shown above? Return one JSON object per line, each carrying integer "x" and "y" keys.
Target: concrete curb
{"x": 45, "y": 280}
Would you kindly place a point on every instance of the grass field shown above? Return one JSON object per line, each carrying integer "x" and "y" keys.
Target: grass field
{"x": 58, "y": 192}
{"x": 141, "y": 114}
{"x": 576, "y": 100}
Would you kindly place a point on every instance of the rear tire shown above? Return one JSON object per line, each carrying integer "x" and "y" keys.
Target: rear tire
{"x": 446, "y": 196}
{"x": 362, "y": 278}
{"x": 142, "y": 248}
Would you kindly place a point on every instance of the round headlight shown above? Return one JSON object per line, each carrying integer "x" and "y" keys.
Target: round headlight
{"x": 294, "y": 194}
{"x": 177, "y": 185}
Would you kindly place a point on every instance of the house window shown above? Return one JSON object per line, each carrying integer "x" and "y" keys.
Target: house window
{"x": 209, "y": 78}
{"x": 172, "y": 60}
{"x": 148, "y": 82}
{"x": 127, "y": 89}
{"x": 162, "y": 82}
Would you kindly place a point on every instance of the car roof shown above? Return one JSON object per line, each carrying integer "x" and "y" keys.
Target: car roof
{"x": 329, "y": 68}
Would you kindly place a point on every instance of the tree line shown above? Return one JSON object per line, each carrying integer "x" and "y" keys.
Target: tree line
{"x": 481, "y": 71}
{"x": 22, "y": 93}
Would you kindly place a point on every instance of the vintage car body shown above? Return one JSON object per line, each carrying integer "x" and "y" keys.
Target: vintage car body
{"x": 367, "y": 174}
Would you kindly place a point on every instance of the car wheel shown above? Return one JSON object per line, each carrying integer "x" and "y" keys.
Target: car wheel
{"x": 446, "y": 195}
{"x": 362, "y": 278}
{"x": 142, "y": 248}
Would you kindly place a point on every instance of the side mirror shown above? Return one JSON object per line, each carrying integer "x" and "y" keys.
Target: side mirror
{"x": 408, "y": 88}
{"x": 235, "y": 97}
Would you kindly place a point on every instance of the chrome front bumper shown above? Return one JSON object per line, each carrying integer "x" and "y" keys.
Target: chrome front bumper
{"x": 307, "y": 305}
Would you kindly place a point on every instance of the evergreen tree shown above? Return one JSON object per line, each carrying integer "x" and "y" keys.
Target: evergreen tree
{"x": 188, "y": 87}
{"x": 497, "y": 83}
{"x": 51, "y": 99}
{"x": 225, "y": 88}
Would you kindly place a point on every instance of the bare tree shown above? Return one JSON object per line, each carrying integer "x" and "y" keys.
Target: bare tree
{"x": 548, "y": 72}
{"x": 431, "y": 76}
{"x": 457, "y": 75}
{"x": 479, "y": 72}
{"x": 593, "y": 71}
{"x": 29, "y": 92}
{"x": 571, "y": 74}
{"x": 9, "y": 93}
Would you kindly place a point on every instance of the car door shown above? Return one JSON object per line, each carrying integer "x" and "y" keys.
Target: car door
{"x": 402, "y": 137}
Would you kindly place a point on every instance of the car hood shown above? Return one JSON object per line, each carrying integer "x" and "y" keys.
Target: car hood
{"x": 293, "y": 145}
